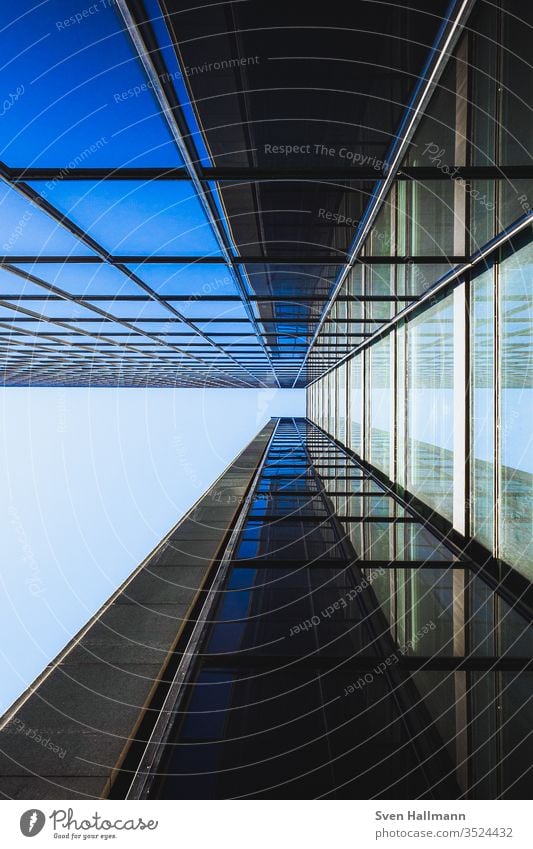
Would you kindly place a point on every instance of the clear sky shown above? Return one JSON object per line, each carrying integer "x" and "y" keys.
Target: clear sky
{"x": 93, "y": 478}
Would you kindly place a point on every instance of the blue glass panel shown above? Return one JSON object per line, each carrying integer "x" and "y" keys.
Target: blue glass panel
{"x": 134, "y": 310}
{"x": 232, "y": 341}
{"x": 105, "y": 327}
{"x": 162, "y": 217}
{"x": 11, "y": 284}
{"x": 210, "y": 309}
{"x": 84, "y": 279}
{"x": 173, "y": 279}
{"x": 173, "y": 69}
{"x": 224, "y": 327}
{"x": 83, "y": 98}
{"x": 54, "y": 309}
{"x": 27, "y": 230}
{"x": 154, "y": 327}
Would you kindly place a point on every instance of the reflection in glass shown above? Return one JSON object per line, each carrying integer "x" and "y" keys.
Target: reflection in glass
{"x": 482, "y": 404}
{"x": 516, "y": 410}
{"x": 380, "y": 404}
{"x": 430, "y": 407}
{"x": 136, "y": 217}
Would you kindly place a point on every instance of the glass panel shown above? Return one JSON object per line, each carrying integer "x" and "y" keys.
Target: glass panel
{"x": 139, "y": 218}
{"x": 25, "y": 230}
{"x": 515, "y": 724}
{"x": 356, "y": 403}
{"x": 340, "y": 374}
{"x": 435, "y": 135}
{"x": 516, "y": 414}
{"x": 12, "y": 284}
{"x": 191, "y": 279}
{"x": 432, "y": 218}
{"x": 516, "y": 123}
{"x": 54, "y": 309}
{"x": 83, "y": 279}
{"x": 415, "y": 278}
{"x": 210, "y": 309}
{"x": 482, "y": 400}
{"x": 380, "y": 404}
{"x": 400, "y": 401}
{"x": 332, "y": 407}
{"x": 482, "y": 213}
{"x": 484, "y": 32}
{"x": 424, "y": 607}
{"x": 515, "y": 200}
{"x": 430, "y": 407}
{"x": 83, "y": 99}
{"x": 387, "y": 541}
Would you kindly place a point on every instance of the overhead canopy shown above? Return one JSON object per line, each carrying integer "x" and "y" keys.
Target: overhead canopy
{"x": 183, "y": 190}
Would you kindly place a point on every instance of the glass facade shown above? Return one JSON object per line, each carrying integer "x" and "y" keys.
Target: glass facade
{"x": 345, "y": 652}
{"x": 447, "y": 413}
{"x": 211, "y": 210}
{"x": 441, "y": 391}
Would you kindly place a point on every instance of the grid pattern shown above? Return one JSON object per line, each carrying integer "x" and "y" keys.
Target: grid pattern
{"x": 342, "y": 634}
{"x": 464, "y": 182}
{"x": 438, "y": 395}
{"x": 440, "y": 404}
{"x": 181, "y": 195}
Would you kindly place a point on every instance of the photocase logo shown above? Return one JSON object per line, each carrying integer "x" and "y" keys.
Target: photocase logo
{"x": 32, "y": 822}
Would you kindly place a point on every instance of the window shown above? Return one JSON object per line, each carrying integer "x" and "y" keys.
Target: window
{"x": 482, "y": 403}
{"x": 430, "y": 407}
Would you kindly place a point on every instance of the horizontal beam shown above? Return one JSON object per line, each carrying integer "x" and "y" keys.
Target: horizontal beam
{"x": 351, "y": 173}
{"x": 176, "y": 259}
{"x": 286, "y": 300}
{"x": 365, "y": 661}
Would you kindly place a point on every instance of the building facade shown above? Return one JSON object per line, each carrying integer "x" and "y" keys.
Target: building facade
{"x": 303, "y": 633}
{"x": 347, "y": 612}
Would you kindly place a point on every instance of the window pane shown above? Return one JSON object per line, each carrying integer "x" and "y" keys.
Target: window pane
{"x": 380, "y": 404}
{"x": 84, "y": 99}
{"x": 482, "y": 399}
{"x": 25, "y": 230}
{"x": 84, "y": 279}
{"x": 516, "y": 124}
{"x": 430, "y": 407}
{"x": 134, "y": 217}
{"x": 173, "y": 279}
{"x": 516, "y": 375}
{"x": 340, "y": 374}
{"x": 356, "y": 403}
{"x": 432, "y": 218}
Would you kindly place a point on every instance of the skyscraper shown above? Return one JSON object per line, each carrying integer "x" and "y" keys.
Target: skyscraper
{"x": 274, "y": 195}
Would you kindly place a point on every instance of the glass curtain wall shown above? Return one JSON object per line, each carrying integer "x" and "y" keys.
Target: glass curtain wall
{"x": 333, "y": 660}
{"x": 414, "y": 417}
{"x": 440, "y": 400}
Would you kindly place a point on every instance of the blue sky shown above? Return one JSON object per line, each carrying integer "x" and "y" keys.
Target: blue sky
{"x": 93, "y": 478}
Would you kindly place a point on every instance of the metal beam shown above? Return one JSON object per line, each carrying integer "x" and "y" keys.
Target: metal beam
{"x": 250, "y": 175}
{"x": 280, "y": 259}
